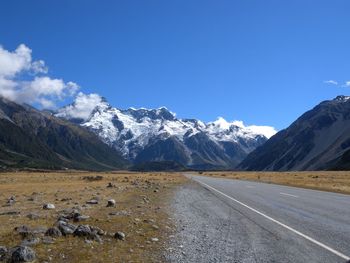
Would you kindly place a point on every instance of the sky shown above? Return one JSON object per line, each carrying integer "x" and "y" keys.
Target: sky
{"x": 262, "y": 62}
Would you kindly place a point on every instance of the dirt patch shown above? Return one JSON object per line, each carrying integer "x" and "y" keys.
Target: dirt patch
{"x": 141, "y": 212}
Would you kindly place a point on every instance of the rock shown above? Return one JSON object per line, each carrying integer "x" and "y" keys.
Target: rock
{"x": 11, "y": 200}
{"x": 82, "y": 231}
{"x": 119, "y": 235}
{"x": 110, "y": 185}
{"x": 66, "y": 228}
{"x": 98, "y": 230}
{"x": 31, "y": 241}
{"x": 10, "y": 213}
{"x": 65, "y": 199}
{"x": 92, "y": 202}
{"x": 33, "y": 216}
{"x": 154, "y": 239}
{"x": 86, "y": 231}
{"x": 111, "y": 203}
{"x": 49, "y": 206}
{"x": 24, "y": 231}
{"x": 53, "y": 232}
{"x": 155, "y": 227}
{"x": 22, "y": 254}
{"x": 3, "y": 253}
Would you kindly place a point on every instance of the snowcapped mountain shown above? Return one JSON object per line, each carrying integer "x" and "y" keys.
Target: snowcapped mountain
{"x": 143, "y": 135}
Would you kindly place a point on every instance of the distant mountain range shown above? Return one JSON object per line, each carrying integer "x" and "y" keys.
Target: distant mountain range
{"x": 30, "y": 138}
{"x": 318, "y": 140}
{"x": 101, "y": 137}
{"x": 156, "y": 135}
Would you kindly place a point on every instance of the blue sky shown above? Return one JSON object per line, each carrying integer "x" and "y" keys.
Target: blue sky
{"x": 263, "y": 62}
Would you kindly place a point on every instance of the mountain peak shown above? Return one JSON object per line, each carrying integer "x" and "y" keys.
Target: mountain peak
{"x": 342, "y": 98}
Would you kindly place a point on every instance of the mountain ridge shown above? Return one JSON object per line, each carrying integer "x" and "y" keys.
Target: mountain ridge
{"x": 318, "y": 140}
{"x": 30, "y": 138}
{"x": 143, "y": 135}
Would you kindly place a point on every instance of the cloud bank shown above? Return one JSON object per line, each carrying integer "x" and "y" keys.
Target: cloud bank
{"x": 25, "y": 81}
{"x": 82, "y": 107}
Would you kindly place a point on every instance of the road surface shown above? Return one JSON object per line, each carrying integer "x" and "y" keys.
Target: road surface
{"x": 224, "y": 220}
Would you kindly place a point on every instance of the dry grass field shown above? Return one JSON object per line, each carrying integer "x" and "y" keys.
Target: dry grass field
{"x": 141, "y": 213}
{"x": 332, "y": 181}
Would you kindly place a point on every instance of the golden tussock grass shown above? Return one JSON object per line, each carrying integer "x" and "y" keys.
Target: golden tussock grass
{"x": 142, "y": 200}
{"x": 333, "y": 181}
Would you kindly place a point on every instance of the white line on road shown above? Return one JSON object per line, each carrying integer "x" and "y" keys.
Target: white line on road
{"x": 289, "y": 195}
{"x": 250, "y": 186}
{"x": 280, "y": 223}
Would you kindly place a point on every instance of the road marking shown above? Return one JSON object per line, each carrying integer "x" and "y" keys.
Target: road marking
{"x": 250, "y": 186}
{"x": 289, "y": 195}
{"x": 339, "y": 254}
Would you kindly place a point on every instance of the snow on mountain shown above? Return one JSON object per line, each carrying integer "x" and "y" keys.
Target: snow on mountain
{"x": 133, "y": 131}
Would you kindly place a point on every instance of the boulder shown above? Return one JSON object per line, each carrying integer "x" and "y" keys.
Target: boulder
{"x": 66, "y": 228}
{"x": 22, "y": 254}
{"x": 53, "y": 232}
{"x": 3, "y": 253}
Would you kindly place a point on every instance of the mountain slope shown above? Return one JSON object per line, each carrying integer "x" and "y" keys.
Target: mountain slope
{"x": 31, "y": 138}
{"x": 318, "y": 140}
{"x": 146, "y": 135}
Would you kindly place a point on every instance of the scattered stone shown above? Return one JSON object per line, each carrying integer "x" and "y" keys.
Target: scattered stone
{"x": 48, "y": 206}
{"x": 11, "y": 200}
{"x": 53, "y": 232}
{"x": 24, "y": 231}
{"x": 66, "y": 199}
{"x": 110, "y": 185}
{"x": 33, "y": 216}
{"x": 10, "y": 213}
{"x": 31, "y": 241}
{"x": 119, "y": 235}
{"x": 32, "y": 199}
{"x": 154, "y": 239}
{"x": 98, "y": 230}
{"x": 22, "y": 254}
{"x": 155, "y": 227}
{"x": 3, "y": 253}
{"x": 66, "y": 228}
{"x": 119, "y": 213}
{"x": 92, "y": 202}
{"x": 111, "y": 203}
{"x": 86, "y": 231}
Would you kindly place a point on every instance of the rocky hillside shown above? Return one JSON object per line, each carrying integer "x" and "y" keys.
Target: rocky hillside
{"x": 156, "y": 135}
{"x": 318, "y": 140}
{"x": 35, "y": 139}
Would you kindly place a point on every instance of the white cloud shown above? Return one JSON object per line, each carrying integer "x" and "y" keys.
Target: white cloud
{"x": 347, "y": 84}
{"x": 82, "y": 107}
{"x": 41, "y": 90}
{"x": 267, "y": 131}
{"x": 332, "y": 82}
{"x": 222, "y": 124}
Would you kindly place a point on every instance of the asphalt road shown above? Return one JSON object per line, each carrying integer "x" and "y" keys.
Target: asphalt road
{"x": 223, "y": 220}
